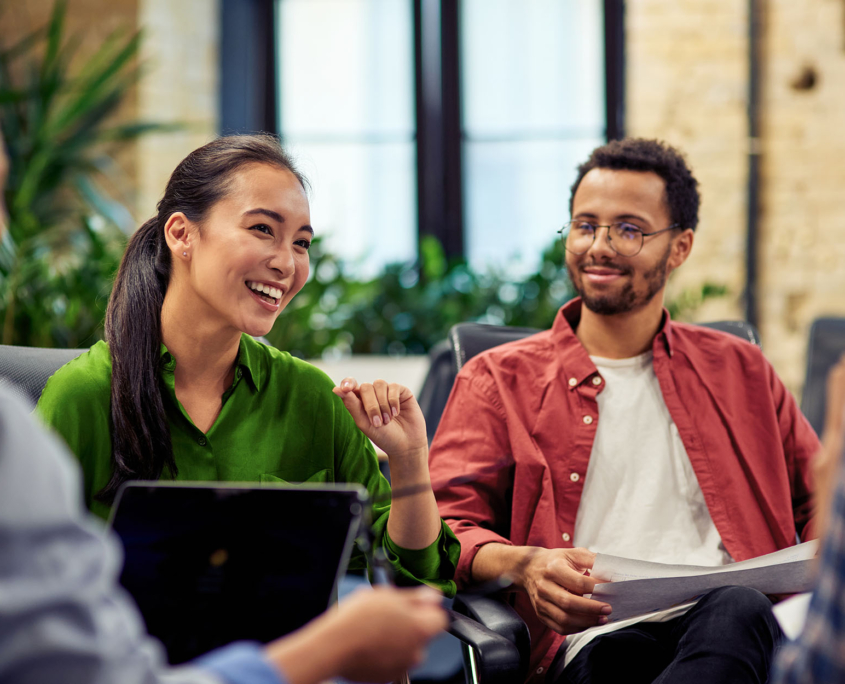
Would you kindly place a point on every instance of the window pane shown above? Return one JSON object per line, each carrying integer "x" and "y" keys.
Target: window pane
{"x": 346, "y": 110}
{"x": 518, "y": 198}
{"x": 532, "y": 74}
{"x": 363, "y": 200}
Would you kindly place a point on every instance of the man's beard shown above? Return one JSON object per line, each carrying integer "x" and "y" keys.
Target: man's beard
{"x": 626, "y": 300}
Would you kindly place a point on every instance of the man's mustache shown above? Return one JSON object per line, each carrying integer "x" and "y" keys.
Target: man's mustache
{"x": 622, "y": 270}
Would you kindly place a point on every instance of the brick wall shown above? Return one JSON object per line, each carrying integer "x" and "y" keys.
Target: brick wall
{"x": 687, "y": 76}
{"x": 180, "y": 51}
{"x": 180, "y": 67}
{"x": 802, "y": 248}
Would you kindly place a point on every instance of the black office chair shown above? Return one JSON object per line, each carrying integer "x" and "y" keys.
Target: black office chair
{"x": 826, "y": 346}
{"x": 25, "y": 370}
{"x": 495, "y": 640}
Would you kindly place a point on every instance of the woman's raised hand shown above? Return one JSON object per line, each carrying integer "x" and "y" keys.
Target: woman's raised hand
{"x": 389, "y": 415}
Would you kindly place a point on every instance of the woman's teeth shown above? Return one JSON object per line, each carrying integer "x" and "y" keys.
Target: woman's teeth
{"x": 265, "y": 291}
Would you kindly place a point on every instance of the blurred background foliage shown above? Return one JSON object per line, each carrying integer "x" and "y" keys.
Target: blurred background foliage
{"x": 68, "y": 224}
{"x": 410, "y": 307}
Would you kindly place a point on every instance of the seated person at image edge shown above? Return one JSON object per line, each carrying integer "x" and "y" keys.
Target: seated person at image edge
{"x": 619, "y": 431}
{"x": 181, "y": 390}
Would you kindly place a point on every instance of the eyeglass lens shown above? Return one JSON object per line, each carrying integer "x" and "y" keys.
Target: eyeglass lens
{"x": 625, "y": 239}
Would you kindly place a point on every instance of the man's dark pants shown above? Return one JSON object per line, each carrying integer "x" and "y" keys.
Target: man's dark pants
{"x": 730, "y": 635}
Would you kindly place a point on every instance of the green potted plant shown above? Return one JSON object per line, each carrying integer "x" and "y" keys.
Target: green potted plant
{"x": 66, "y": 232}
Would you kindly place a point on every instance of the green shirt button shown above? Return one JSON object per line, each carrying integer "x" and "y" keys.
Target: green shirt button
{"x": 202, "y": 441}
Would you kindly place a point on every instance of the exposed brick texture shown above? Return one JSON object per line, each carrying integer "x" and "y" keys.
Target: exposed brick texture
{"x": 687, "y": 75}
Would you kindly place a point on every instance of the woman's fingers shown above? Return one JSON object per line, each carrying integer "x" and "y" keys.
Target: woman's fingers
{"x": 367, "y": 393}
{"x": 393, "y": 394}
{"x": 353, "y": 404}
{"x": 348, "y": 385}
{"x": 381, "y": 391}
{"x": 380, "y": 401}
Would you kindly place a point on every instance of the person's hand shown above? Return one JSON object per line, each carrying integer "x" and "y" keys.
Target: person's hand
{"x": 555, "y": 582}
{"x": 833, "y": 441}
{"x": 373, "y": 636}
{"x": 389, "y": 415}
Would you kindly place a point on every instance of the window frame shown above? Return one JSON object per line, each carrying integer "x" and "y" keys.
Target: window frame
{"x": 248, "y": 97}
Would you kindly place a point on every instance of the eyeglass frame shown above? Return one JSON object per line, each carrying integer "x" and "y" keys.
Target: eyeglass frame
{"x": 642, "y": 233}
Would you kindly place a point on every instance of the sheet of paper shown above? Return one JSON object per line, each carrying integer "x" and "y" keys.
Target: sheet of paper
{"x": 643, "y": 588}
{"x": 615, "y": 569}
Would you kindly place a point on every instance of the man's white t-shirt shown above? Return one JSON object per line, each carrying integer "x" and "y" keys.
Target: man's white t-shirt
{"x": 641, "y": 497}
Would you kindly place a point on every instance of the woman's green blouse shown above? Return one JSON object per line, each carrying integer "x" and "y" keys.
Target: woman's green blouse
{"x": 280, "y": 422}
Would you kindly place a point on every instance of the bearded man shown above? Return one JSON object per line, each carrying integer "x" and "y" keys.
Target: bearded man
{"x": 625, "y": 433}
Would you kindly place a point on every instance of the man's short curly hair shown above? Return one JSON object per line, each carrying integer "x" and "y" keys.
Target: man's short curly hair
{"x": 639, "y": 154}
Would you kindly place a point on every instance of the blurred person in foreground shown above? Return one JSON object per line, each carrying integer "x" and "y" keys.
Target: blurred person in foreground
{"x": 817, "y": 656}
{"x": 622, "y": 432}
{"x": 64, "y": 617}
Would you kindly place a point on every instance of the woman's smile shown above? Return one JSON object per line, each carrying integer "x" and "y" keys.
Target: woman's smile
{"x": 268, "y": 295}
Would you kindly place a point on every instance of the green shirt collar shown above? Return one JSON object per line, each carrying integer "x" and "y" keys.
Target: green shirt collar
{"x": 248, "y": 364}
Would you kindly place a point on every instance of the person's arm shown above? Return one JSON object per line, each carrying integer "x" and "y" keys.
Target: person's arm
{"x": 418, "y": 544}
{"x": 374, "y": 636}
{"x": 64, "y": 618}
{"x": 388, "y": 414}
{"x": 554, "y": 580}
{"x": 816, "y": 655}
{"x": 800, "y": 446}
{"x": 827, "y": 461}
{"x": 473, "y": 472}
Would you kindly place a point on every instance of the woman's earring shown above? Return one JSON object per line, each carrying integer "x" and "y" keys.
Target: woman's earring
{"x": 184, "y": 254}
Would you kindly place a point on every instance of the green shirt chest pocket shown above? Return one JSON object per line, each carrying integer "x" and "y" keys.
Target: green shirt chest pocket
{"x": 321, "y": 476}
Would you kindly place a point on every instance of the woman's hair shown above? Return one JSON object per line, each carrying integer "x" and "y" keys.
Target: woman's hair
{"x": 141, "y": 445}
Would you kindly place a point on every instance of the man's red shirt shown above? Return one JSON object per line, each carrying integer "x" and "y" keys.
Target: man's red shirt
{"x": 521, "y": 421}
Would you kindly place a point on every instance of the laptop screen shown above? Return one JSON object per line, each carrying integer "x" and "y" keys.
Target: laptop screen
{"x": 209, "y": 564}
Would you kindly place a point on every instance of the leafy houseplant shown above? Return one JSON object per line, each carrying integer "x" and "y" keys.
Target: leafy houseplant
{"x": 66, "y": 233}
{"x": 410, "y": 307}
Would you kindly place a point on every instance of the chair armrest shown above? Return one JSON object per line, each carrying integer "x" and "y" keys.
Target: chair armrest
{"x": 499, "y": 617}
{"x": 493, "y": 659}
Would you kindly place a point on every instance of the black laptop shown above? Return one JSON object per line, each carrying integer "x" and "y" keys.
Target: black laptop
{"x": 212, "y": 563}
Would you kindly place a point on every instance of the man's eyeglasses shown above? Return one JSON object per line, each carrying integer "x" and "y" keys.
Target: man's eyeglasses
{"x": 625, "y": 239}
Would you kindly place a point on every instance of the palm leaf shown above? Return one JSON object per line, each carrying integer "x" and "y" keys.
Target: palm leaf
{"x": 64, "y": 236}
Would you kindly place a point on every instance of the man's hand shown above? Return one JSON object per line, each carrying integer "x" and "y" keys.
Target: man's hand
{"x": 554, "y": 580}
{"x": 373, "y": 636}
{"x": 556, "y": 583}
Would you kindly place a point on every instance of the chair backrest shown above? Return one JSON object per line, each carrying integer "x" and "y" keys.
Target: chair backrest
{"x": 742, "y": 329}
{"x": 25, "y": 370}
{"x": 468, "y": 339}
{"x": 825, "y": 347}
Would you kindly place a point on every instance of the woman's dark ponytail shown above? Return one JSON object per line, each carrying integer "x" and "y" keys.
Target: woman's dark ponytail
{"x": 141, "y": 444}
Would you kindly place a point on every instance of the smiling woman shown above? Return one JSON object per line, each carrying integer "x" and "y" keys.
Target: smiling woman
{"x": 181, "y": 390}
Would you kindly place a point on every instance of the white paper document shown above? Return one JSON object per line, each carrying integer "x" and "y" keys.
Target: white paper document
{"x": 635, "y": 587}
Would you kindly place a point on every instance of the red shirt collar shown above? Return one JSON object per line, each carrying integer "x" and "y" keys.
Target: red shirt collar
{"x": 575, "y": 360}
